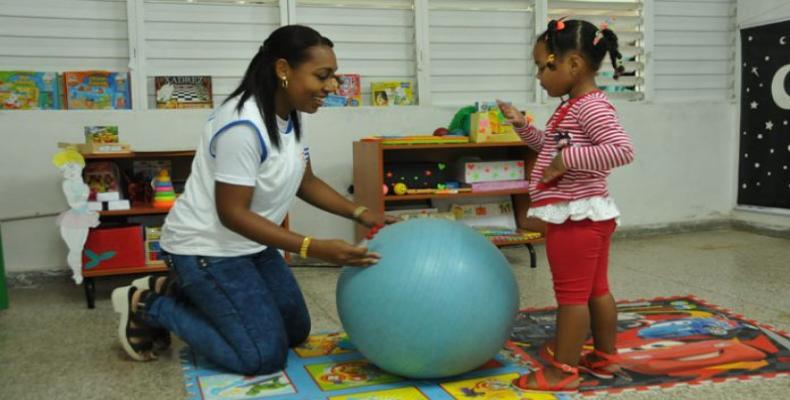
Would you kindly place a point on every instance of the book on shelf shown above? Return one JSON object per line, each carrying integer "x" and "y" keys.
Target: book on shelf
{"x": 183, "y": 92}
{"x": 97, "y": 90}
{"x": 103, "y": 179}
{"x": 101, "y": 134}
{"x": 30, "y": 90}
{"x": 351, "y": 89}
{"x": 392, "y": 93}
{"x": 502, "y": 234}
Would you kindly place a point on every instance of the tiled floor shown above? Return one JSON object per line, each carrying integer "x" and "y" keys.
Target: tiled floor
{"x": 52, "y": 347}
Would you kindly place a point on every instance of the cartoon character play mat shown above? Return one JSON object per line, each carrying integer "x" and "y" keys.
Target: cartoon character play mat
{"x": 662, "y": 343}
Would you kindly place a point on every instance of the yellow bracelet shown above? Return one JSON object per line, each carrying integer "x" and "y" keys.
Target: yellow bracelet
{"x": 358, "y": 211}
{"x": 305, "y": 244}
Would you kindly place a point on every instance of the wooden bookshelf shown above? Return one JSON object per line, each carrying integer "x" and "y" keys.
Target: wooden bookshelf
{"x": 370, "y": 156}
{"x": 181, "y": 162}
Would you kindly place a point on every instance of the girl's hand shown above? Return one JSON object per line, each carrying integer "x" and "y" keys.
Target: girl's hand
{"x": 339, "y": 252}
{"x": 370, "y": 219}
{"x": 554, "y": 170}
{"x": 512, "y": 114}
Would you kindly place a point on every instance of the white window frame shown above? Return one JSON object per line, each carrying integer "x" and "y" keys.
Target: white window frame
{"x": 640, "y": 77}
{"x": 137, "y": 51}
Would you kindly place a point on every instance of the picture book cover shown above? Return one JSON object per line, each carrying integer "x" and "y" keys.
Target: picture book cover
{"x": 29, "y": 90}
{"x": 392, "y": 93}
{"x": 97, "y": 90}
{"x": 102, "y": 177}
{"x": 101, "y": 134}
{"x": 350, "y": 88}
{"x": 183, "y": 92}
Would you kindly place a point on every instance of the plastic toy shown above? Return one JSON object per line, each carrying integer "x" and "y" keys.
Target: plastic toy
{"x": 400, "y": 189}
{"x": 164, "y": 195}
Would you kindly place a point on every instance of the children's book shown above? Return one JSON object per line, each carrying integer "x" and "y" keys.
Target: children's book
{"x": 351, "y": 89}
{"x": 29, "y": 90}
{"x": 101, "y": 134}
{"x": 392, "y": 93}
{"x": 183, "y": 92}
{"x": 102, "y": 177}
{"x": 97, "y": 90}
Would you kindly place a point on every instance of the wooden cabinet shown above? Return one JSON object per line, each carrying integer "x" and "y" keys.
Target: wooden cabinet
{"x": 370, "y": 157}
{"x": 180, "y": 163}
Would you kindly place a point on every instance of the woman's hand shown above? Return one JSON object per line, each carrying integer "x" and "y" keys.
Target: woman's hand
{"x": 370, "y": 219}
{"x": 512, "y": 115}
{"x": 339, "y": 252}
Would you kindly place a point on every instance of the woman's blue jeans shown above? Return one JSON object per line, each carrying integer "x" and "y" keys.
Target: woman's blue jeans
{"x": 242, "y": 313}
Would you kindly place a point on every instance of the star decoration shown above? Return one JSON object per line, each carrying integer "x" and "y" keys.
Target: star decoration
{"x": 769, "y": 125}
{"x": 753, "y": 105}
{"x": 754, "y": 71}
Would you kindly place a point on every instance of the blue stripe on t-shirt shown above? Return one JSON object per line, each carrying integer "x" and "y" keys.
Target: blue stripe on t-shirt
{"x": 264, "y": 153}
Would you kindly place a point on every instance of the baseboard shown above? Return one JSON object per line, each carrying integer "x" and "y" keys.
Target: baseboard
{"x": 638, "y": 231}
{"x": 31, "y": 279}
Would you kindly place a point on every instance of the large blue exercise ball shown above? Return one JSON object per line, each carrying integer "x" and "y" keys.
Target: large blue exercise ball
{"x": 441, "y": 301}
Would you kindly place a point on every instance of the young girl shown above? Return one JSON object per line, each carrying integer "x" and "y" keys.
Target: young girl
{"x": 231, "y": 295}
{"x": 582, "y": 142}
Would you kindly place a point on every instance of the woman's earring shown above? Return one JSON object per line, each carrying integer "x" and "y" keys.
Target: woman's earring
{"x": 284, "y": 82}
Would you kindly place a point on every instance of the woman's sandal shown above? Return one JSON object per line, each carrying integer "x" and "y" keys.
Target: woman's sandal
{"x": 142, "y": 348}
{"x": 604, "y": 367}
{"x": 542, "y": 385}
{"x": 161, "y": 336}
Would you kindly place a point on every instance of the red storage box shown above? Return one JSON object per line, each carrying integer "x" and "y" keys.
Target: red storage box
{"x": 114, "y": 247}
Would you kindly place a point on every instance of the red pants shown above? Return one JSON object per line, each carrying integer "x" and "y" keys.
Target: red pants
{"x": 578, "y": 253}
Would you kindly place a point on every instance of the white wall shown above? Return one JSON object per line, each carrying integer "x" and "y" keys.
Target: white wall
{"x": 756, "y": 12}
{"x": 682, "y": 171}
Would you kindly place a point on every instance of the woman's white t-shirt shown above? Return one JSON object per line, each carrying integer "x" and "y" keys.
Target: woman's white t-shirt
{"x": 235, "y": 149}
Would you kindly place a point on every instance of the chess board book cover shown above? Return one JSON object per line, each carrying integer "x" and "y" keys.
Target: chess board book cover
{"x": 183, "y": 92}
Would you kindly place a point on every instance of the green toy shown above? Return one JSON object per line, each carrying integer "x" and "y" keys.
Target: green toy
{"x": 460, "y": 122}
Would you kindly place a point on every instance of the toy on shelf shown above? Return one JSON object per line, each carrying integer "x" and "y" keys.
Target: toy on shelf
{"x": 488, "y": 124}
{"x": 441, "y": 131}
{"x": 164, "y": 195}
{"x": 152, "y": 248}
{"x": 483, "y": 122}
